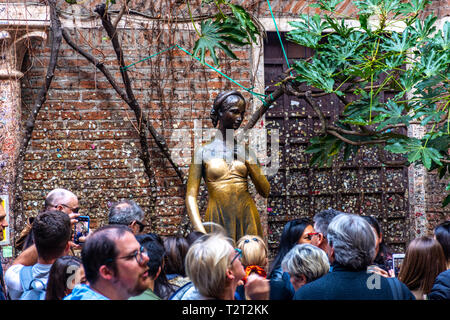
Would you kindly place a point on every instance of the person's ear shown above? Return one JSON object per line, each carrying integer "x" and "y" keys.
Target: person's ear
{"x": 330, "y": 254}
{"x": 298, "y": 282}
{"x": 322, "y": 239}
{"x": 105, "y": 272}
{"x": 157, "y": 273}
{"x": 134, "y": 227}
{"x": 229, "y": 275}
{"x": 67, "y": 248}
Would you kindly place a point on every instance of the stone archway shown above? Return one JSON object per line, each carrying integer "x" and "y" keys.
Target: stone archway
{"x": 18, "y": 29}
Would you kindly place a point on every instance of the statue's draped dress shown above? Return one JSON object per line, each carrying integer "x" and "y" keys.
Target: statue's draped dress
{"x": 229, "y": 201}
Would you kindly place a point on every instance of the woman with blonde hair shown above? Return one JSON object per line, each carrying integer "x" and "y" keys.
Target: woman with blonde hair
{"x": 254, "y": 255}
{"x": 215, "y": 269}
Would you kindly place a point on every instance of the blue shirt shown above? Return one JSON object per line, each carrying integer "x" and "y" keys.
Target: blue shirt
{"x": 84, "y": 292}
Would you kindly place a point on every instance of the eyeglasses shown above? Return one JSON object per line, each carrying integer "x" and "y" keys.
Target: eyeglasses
{"x": 138, "y": 255}
{"x": 311, "y": 234}
{"x": 238, "y": 255}
{"x": 74, "y": 210}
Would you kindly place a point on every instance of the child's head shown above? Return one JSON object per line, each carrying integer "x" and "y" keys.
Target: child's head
{"x": 254, "y": 251}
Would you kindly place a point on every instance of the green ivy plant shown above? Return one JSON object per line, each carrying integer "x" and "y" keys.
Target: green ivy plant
{"x": 386, "y": 46}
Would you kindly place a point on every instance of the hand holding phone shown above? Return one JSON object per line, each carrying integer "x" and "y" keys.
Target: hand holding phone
{"x": 397, "y": 260}
{"x": 81, "y": 228}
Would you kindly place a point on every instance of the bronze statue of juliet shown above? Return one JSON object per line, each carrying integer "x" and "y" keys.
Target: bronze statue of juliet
{"x": 225, "y": 167}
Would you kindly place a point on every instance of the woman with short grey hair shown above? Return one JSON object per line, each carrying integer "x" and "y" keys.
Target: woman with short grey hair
{"x": 305, "y": 263}
{"x": 352, "y": 241}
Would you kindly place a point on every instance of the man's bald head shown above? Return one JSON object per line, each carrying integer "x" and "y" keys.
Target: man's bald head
{"x": 61, "y": 199}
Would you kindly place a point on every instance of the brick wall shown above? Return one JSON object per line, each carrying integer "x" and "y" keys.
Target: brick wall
{"x": 85, "y": 137}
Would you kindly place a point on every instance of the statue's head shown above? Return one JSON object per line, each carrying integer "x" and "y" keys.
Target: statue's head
{"x": 229, "y": 107}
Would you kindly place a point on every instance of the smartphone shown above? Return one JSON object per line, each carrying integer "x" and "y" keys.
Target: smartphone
{"x": 81, "y": 228}
{"x": 397, "y": 260}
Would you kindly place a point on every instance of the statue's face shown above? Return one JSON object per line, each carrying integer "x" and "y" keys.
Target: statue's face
{"x": 232, "y": 113}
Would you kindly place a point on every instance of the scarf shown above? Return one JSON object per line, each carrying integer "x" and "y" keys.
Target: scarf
{"x": 253, "y": 268}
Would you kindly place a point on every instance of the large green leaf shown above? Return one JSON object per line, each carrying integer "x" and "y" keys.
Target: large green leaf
{"x": 443, "y": 37}
{"x": 425, "y": 28}
{"x": 433, "y": 63}
{"x": 307, "y": 31}
{"x": 399, "y": 42}
{"x": 245, "y": 21}
{"x": 413, "y": 6}
{"x": 341, "y": 51}
{"x": 214, "y": 36}
{"x": 393, "y": 113}
{"x": 416, "y": 151}
{"x": 324, "y": 149}
{"x": 317, "y": 73}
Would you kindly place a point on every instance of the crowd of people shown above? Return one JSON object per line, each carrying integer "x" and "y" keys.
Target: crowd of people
{"x": 334, "y": 256}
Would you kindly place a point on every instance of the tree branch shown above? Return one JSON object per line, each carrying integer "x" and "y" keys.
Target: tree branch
{"x": 131, "y": 101}
{"x": 354, "y": 143}
{"x": 268, "y": 101}
{"x": 99, "y": 65}
{"x": 121, "y": 13}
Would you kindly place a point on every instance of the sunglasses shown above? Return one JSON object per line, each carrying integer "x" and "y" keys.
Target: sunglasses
{"x": 311, "y": 234}
{"x": 74, "y": 210}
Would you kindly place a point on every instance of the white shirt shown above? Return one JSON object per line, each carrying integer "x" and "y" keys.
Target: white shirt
{"x": 12, "y": 278}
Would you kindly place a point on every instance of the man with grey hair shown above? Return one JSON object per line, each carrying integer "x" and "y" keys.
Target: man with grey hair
{"x": 351, "y": 248}
{"x": 127, "y": 213}
{"x": 321, "y": 222}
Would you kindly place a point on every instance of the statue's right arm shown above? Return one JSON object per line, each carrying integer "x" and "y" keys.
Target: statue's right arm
{"x": 193, "y": 185}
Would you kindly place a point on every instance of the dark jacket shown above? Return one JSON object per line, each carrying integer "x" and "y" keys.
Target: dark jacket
{"x": 281, "y": 289}
{"x": 347, "y": 284}
{"x": 441, "y": 287}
